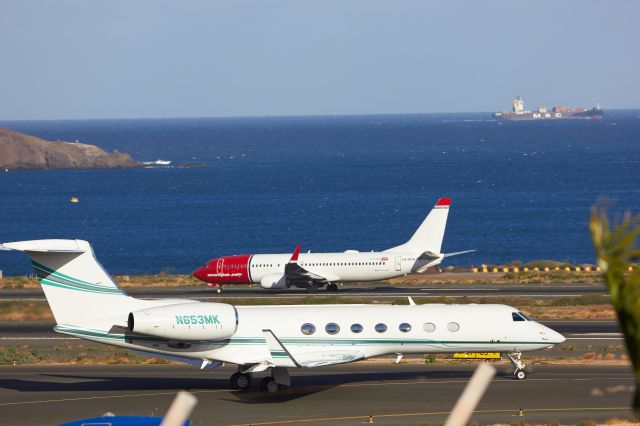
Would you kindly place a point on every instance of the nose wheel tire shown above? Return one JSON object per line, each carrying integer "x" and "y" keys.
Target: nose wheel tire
{"x": 332, "y": 287}
{"x": 520, "y": 375}
{"x": 268, "y": 384}
{"x": 240, "y": 381}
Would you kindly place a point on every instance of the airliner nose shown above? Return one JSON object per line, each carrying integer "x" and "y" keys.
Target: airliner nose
{"x": 200, "y": 273}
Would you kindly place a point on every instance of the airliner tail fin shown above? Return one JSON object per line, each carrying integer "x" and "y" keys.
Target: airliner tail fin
{"x": 429, "y": 236}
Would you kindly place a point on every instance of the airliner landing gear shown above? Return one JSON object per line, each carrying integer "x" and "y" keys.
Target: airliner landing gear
{"x": 240, "y": 381}
{"x": 515, "y": 358}
{"x": 313, "y": 288}
{"x": 269, "y": 384}
{"x": 332, "y": 287}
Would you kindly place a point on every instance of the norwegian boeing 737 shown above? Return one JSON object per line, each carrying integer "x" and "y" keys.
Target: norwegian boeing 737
{"x": 87, "y": 303}
{"x": 314, "y": 270}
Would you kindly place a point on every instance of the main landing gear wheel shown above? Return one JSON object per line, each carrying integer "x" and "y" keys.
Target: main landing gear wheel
{"x": 520, "y": 375}
{"x": 240, "y": 381}
{"x": 313, "y": 288}
{"x": 268, "y": 384}
{"x": 332, "y": 287}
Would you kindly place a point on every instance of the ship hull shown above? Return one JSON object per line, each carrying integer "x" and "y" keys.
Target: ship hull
{"x": 592, "y": 114}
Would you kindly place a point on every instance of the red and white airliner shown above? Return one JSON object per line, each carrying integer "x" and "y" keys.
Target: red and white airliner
{"x": 314, "y": 270}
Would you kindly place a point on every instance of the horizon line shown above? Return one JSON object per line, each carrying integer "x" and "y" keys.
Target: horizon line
{"x": 199, "y": 117}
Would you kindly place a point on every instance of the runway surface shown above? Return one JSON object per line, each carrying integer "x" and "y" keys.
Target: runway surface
{"x": 339, "y": 395}
{"x": 373, "y": 291}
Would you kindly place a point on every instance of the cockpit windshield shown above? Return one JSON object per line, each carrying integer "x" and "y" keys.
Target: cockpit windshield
{"x": 523, "y": 315}
{"x": 519, "y": 316}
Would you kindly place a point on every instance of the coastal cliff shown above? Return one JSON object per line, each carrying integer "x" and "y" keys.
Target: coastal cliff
{"x": 20, "y": 151}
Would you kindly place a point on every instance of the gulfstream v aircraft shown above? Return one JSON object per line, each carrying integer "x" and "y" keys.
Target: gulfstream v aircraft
{"x": 87, "y": 303}
{"x": 313, "y": 270}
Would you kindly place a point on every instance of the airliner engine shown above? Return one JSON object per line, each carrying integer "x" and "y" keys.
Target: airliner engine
{"x": 186, "y": 321}
{"x": 274, "y": 281}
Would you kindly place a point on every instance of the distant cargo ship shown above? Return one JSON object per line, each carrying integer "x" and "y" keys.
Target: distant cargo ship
{"x": 558, "y": 112}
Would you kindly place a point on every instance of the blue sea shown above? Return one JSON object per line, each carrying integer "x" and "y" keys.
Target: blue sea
{"x": 520, "y": 190}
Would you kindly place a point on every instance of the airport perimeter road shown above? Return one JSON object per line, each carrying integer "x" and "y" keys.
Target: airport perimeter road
{"x": 373, "y": 291}
{"x": 339, "y": 395}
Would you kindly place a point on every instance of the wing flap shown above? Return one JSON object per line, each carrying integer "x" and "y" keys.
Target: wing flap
{"x": 310, "y": 359}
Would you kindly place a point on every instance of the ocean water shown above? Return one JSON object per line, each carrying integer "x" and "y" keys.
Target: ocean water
{"x": 520, "y": 190}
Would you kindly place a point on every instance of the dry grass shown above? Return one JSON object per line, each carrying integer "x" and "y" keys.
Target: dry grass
{"x": 570, "y": 312}
{"x": 459, "y": 276}
{"x": 586, "y": 307}
{"x": 25, "y": 311}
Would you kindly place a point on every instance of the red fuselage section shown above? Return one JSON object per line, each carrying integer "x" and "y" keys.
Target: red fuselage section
{"x": 226, "y": 270}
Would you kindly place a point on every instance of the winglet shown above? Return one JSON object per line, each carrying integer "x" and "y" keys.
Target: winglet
{"x": 296, "y": 253}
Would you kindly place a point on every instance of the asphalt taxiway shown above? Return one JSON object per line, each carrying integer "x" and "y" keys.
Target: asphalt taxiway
{"x": 369, "y": 291}
{"x": 404, "y": 394}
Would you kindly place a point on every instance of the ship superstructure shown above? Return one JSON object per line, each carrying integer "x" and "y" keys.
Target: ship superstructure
{"x": 558, "y": 112}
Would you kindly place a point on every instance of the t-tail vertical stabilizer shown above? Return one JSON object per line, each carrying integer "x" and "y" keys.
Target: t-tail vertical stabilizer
{"x": 78, "y": 289}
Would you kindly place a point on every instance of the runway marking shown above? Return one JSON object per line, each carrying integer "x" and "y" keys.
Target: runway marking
{"x": 48, "y": 401}
{"x": 597, "y": 334}
{"x": 594, "y": 338}
{"x": 429, "y": 413}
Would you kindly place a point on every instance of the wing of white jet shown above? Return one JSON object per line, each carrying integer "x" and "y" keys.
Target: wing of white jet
{"x": 309, "y": 359}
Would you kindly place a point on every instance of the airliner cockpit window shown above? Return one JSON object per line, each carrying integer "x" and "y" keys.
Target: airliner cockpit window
{"x": 517, "y": 317}
{"x": 523, "y": 315}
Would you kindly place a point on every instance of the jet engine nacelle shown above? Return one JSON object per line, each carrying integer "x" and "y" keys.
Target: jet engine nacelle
{"x": 274, "y": 281}
{"x": 186, "y": 321}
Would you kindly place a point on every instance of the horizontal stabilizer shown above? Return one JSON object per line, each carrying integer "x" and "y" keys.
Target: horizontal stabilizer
{"x": 47, "y": 246}
{"x": 457, "y": 253}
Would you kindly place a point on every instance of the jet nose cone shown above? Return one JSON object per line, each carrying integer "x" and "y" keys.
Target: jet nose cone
{"x": 200, "y": 273}
{"x": 552, "y": 336}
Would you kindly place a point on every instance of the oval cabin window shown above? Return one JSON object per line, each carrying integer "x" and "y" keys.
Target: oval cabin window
{"x": 453, "y": 327}
{"x": 381, "y": 328}
{"x": 332, "y": 328}
{"x": 308, "y": 329}
{"x": 429, "y": 327}
{"x": 356, "y": 328}
{"x": 405, "y": 327}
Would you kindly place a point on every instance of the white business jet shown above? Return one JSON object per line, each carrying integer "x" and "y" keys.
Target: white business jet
{"x": 87, "y": 303}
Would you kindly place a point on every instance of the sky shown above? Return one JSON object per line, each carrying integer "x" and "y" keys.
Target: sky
{"x": 80, "y": 59}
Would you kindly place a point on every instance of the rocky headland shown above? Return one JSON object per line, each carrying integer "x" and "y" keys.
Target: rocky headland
{"x": 20, "y": 151}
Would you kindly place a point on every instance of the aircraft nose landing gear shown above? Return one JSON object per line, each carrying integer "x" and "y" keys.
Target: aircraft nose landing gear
{"x": 516, "y": 360}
